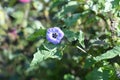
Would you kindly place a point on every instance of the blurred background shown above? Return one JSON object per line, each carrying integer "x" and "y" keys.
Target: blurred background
{"x": 18, "y": 20}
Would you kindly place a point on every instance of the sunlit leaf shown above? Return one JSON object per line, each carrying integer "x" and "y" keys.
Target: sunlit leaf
{"x": 42, "y": 55}
{"x": 109, "y": 54}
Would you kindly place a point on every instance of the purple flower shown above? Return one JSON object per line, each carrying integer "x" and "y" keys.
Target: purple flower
{"x": 54, "y": 35}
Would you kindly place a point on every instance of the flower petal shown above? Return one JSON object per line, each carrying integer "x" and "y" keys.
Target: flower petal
{"x": 52, "y": 31}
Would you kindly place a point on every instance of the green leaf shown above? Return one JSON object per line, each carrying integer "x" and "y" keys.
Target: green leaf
{"x": 68, "y": 8}
{"x": 117, "y": 66}
{"x": 70, "y": 35}
{"x": 38, "y": 5}
{"x": 81, "y": 38}
{"x": 70, "y": 21}
{"x": 115, "y": 3}
{"x": 37, "y": 34}
{"x": 96, "y": 74}
{"x": 42, "y": 55}
{"x": 106, "y": 72}
{"x": 109, "y": 54}
{"x": 18, "y": 14}
{"x": 57, "y": 3}
{"x": 89, "y": 62}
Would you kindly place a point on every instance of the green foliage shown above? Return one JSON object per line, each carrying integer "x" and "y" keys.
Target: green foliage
{"x": 109, "y": 54}
{"x": 89, "y": 50}
{"x": 72, "y": 36}
{"x": 100, "y": 74}
{"x": 42, "y": 55}
{"x": 71, "y": 21}
{"x": 69, "y": 77}
{"x": 37, "y": 34}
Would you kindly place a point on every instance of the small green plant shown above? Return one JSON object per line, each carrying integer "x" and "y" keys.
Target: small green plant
{"x": 60, "y": 39}
{"x": 91, "y": 30}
